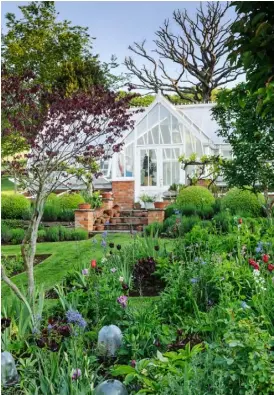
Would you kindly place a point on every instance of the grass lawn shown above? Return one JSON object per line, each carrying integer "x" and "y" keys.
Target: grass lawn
{"x": 65, "y": 256}
{"x": 6, "y": 185}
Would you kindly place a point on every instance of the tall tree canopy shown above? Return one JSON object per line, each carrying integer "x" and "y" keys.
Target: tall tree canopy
{"x": 251, "y": 137}
{"x": 252, "y": 48}
{"x": 58, "y": 53}
{"x": 198, "y": 50}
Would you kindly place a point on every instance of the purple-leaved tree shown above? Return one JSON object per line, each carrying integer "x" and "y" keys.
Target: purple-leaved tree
{"x": 57, "y": 131}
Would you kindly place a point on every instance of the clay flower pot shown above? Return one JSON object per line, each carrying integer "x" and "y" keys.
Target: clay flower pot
{"x": 117, "y": 214}
{"x": 113, "y": 221}
{"x": 107, "y": 195}
{"x": 100, "y": 227}
{"x": 116, "y": 207}
{"x": 160, "y": 205}
{"x": 137, "y": 206}
{"x": 108, "y": 212}
{"x": 84, "y": 206}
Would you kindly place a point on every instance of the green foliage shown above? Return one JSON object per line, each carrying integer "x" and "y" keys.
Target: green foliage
{"x": 17, "y": 236}
{"x": 154, "y": 229}
{"x": 250, "y": 136}
{"x": 70, "y": 201}
{"x": 222, "y": 221}
{"x": 15, "y": 206}
{"x": 251, "y": 46}
{"x": 195, "y": 195}
{"x": 58, "y": 53}
{"x": 239, "y": 201}
{"x": 169, "y": 211}
{"x": 95, "y": 200}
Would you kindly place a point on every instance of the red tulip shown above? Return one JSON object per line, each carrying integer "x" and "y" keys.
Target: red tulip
{"x": 93, "y": 263}
{"x": 256, "y": 266}
{"x": 252, "y": 262}
{"x": 265, "y": 258}
{"x": 240, "y": 221}
{"x": 270, "y": 267}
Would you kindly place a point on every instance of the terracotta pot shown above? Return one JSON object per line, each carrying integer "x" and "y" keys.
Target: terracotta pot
{"x": 106, "y": 218}
{"x": 116, "y": 207}
{"x": 117, "y": 214}
{"x": 113, "y": 221}
{"x": 161, "y": 205}
{"x": 100, "y": 227}
{"x": 137, "y": 206}
{"x": 84, "y": 206}
{"x": 139, "y": 228}
{"x": 108, "y": 212}
{"x": 107, "y": 195}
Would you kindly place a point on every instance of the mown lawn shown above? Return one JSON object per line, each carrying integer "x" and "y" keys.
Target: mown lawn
{"x": 64, "y": 257}
{"x": 6, "y": 185}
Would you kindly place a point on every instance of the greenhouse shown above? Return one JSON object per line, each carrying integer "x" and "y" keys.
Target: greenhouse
{"x": 162, "y": 133}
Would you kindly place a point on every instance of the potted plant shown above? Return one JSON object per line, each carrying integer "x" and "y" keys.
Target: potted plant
{"x": 137, "y": 206}
{"x": 94, "y": 200}
{"x": 84, "y": 206}
{"x": 147, "y": 200}
{"x": 107, "y": 195}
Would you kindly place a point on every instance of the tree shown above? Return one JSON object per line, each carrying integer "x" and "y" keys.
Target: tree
{"x": 58, "y": 53}
{"x": 207, "y": 167}
{"x": 199, "y": 50}
{"x": 57, "y": 129}
{"x": 251, "y": 137}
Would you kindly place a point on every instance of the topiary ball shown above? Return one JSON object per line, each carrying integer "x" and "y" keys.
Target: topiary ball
{"x": 14, "y": 206}
{"x": 70, "y": 201}
{"x": 111, "y": 387}
{"x": 245, "y": 202}
{"x": 196, "y": 196}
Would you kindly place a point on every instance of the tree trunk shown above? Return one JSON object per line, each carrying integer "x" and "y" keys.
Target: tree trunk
{"x": 28, "y": 247}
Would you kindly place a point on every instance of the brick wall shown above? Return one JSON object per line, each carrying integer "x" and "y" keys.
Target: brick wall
{"x": 84, "y": 219}
{"x": 123, "y": 194}
{"x": 155, "y": 215}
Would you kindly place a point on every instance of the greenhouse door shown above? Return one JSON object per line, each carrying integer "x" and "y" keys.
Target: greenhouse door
{"x": 156, "y": 169}
{"x": 148, "y": 172}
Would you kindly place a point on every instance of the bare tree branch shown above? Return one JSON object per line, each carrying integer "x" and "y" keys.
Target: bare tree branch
{"x": 197, "y": 49}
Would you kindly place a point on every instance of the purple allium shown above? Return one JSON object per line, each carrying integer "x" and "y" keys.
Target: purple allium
{"x": 76, "y": 374}
{"x": 50, "y": 327}
{"x": 113, "y": 270}
{"x": 85, "y": 272}
{"x": 35, "y": 331}
{"x": 105, "y": 234}
{"x": 194, "y": 280}
{"x": 74, "y": 317}
{"x": 122, "y": 300}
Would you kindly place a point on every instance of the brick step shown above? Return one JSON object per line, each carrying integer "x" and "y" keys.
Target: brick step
{"x": 131, "y": 220}
{"x": 124, "y": 227}
{"x": 133, "y": 213}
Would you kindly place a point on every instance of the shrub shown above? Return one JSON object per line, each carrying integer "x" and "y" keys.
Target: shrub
{"x": 217, "y": 205}
{"x": 222, "y": 221}
{"x": 41, "y": 235}
{"x": 188, "y": 209}
{"x": 15, "y": 207}
{"x": 51, "y": 211}
{"x": 188, "y": 223}
{"x": 79, "y": 234}
{"x": 17, "y": 236}
{"x": 70, "y": 201}
{"x": 66, "y": 215}
{"x": 154, "y": 229}
{"x": 6, "y": 233}
{"x": 195, "y": 195}
{"x": 206, "y": 212}
{"x": 169, "y": 211}
{"x": 239, "y": 201}
{"x": 52, "y": 233}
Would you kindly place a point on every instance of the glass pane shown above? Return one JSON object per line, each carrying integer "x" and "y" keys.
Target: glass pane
{"x": 142, "y": 127}
{"x": 164, "y": 113}
{"x": 165, "y": 132}
{"x": 120, "y": 165}
{"x": 175, "y": 173}
{"x": 189, "y": 149}
{"x": 155, "y": 133}
{"x": 148, "y": 167}
{"x": 199, "y": 148}
{"x": 140, "y": 141}
{"x": 153, "y": 117}
{"x": 129, "y": 161}
{"x": 167, "y": 169}
{"x": 150, "y": 140}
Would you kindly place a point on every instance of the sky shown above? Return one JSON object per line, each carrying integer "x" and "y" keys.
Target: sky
{"x": 115, "y": 24}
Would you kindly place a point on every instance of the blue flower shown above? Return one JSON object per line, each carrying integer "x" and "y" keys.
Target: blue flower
{"x": 94, "y": 241}
{"x": 244, "y": 305}
{"x": 105, "y": 234}
{"x": 258, "y": 250}
{"x": 194, "y": 280}
{"x": 203, "y": 262}
{"x": 35, "y": 331}
{"x": 74, "y": 317}
{"x": 103, "y": 243}
{"x": 196, "y": 259}
{"x": 177, "y": 212}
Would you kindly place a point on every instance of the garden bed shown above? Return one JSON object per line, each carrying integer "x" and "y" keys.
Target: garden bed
{"x": 14, "y": 264}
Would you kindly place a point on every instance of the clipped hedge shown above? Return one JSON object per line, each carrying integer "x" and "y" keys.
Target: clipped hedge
{"x": 243, "y": 202}
{"x": 15, "y": 207}
{"x": 196, "y": 196}
{"x": 70, "y": 201}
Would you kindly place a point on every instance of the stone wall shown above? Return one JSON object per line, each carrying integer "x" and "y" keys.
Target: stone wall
{"x": 155, "y": 215}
